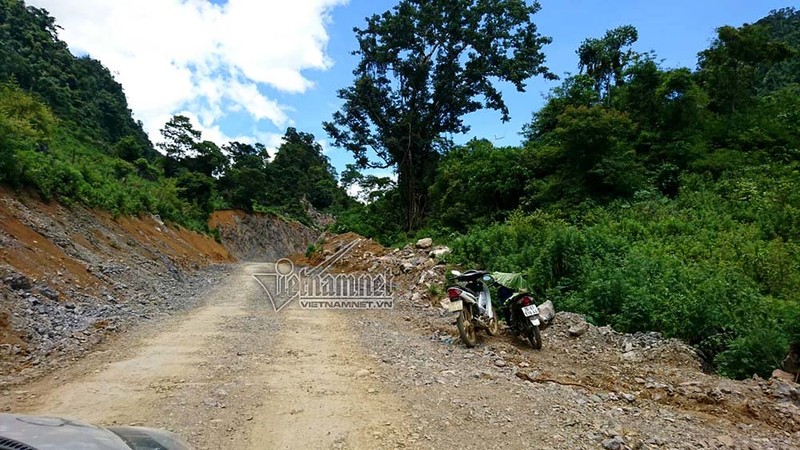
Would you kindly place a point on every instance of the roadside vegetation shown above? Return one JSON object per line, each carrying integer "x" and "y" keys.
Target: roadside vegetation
{"x": 646, "y": 197}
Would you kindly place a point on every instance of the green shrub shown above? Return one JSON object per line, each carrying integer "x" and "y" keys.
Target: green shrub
{"x": 701, "y": 267}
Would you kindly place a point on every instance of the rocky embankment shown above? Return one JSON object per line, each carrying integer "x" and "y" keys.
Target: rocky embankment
{"x": 260, "y": 237}
{"x": 590, "y": 387}
{"x": 72, "y": 277}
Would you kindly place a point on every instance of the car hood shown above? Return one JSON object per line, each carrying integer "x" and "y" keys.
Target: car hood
{"x": 51, "y": 433}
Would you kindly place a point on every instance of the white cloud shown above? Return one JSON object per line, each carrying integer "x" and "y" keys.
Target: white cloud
{"x": 174, "y": 55}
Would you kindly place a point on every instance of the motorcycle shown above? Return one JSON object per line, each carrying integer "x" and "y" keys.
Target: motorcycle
{"x": 470, "y": 297}
{"x": 522, "y": 314}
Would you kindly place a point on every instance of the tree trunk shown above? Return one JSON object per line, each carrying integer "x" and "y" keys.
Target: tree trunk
{"x": 415, "y": 170}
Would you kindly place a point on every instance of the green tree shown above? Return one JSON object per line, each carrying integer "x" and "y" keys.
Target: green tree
{"x": 575, "y": 91}
{"x": 185, "y": 150}
{"x": 424, "y": 65}
{"x": 604, "y": 59}
{"x": 482, "y": 179}
{"x": 25, "y": 124}
{"x": 370, "y": 187}
{"x": 590, "y": 154}
{"x": 246, "y": 182}
{"x": 207, "y": 158}
{"x": 128, "y": 149}
{"x": 732, "y": 69}
{"x": 301, "y": 172}
{"x": 180, "y": 138}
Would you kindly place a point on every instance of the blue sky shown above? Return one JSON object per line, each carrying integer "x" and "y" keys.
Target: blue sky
{"x": 247, "y": 69}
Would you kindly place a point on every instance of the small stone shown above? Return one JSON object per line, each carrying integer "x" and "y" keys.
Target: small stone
{"x": 630, "y": 398}
{"x": 439, "y": 251}
{"x": 499, "y": 363}
{"x": 49, "y": 292}
{"x": 425, "y": 243}
{"x": 614, "y": 443}
{"x": 725, "y": 440}
{"x": 578, "y": 329}
{"x": 18, "y": 282}
{"x": 781, "y": 375}
{"x": 654, "y": 441}
{"x": 630, "y": 356}
{"x": 362, "y": 373}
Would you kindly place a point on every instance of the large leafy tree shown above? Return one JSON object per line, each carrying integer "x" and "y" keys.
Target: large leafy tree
{"x": 424, "y": 65}
{"x": 245, "y": 183}
{"x": 185, "y": 150}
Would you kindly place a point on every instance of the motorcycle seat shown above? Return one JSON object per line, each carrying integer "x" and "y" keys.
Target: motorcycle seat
{"x": 471, "y": 275}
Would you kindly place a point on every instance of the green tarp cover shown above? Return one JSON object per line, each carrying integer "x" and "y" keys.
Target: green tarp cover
{"x": 513, "y": 281}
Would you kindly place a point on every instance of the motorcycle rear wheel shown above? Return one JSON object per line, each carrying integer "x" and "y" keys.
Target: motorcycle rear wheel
{"x": 534, "y": 337}
{"x": 466, "y": 329}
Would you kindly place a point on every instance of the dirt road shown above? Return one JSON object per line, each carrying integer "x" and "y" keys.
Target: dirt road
{"x": 234, "y": 374}
{"x": 231, "y": 374}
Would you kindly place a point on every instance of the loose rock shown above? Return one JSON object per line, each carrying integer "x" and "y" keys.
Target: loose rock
{"x": 425, "y": 243}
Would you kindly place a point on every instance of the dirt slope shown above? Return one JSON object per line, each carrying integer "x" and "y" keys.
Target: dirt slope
{"x": 72, "y": 276}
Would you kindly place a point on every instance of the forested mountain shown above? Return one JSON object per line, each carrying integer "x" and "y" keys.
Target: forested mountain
{"x": 783, "y": 26}
{"x": 66, "y": 131}
{"x": 80, "y": 91}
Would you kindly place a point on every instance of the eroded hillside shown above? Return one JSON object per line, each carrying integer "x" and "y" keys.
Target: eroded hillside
{"x": 71, "y": 276}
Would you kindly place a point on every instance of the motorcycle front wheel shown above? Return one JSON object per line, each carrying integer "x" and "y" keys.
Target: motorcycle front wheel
{"x": 466, "y": 328}
{"x": 534, "y": 337}
{"x": 494, "y": 327}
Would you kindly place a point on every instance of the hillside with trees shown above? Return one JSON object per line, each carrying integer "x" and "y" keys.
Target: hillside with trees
{"x": 67, "y": 133}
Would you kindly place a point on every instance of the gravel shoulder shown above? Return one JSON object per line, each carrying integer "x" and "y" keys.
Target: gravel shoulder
{"x": 574, "y": 393}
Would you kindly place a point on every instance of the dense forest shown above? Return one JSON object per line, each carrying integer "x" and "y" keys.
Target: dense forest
{"x": 643, "y": 196}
